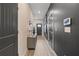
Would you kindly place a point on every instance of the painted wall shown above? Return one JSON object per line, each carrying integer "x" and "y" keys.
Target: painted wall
{"x": 65, "y": 43}
{"x": 24, "y": 12}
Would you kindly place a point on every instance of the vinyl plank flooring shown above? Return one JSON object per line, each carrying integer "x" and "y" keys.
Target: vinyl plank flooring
{"x": 42, "y": 48}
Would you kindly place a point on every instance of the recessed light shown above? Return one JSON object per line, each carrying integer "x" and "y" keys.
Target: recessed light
{"x": 39, "y": 12}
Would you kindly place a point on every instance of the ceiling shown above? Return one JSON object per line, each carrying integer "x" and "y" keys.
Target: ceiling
{"x": 39, "y": 9}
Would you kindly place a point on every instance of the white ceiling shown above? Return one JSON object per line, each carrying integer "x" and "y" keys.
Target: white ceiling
{"x": 39, "y": 9}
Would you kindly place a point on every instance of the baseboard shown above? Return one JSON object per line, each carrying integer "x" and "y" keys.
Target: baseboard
{"x": 31, "y": 48}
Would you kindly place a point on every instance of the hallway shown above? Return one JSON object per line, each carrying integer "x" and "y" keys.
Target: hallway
{"x": 42, "y": 48}
{"x": 39, "y": 29}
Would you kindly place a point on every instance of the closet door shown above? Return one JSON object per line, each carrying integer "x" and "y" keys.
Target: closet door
{"x": 8, "y": 29}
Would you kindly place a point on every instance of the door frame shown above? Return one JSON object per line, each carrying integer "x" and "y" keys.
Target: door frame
{"x": 37, "y": 26}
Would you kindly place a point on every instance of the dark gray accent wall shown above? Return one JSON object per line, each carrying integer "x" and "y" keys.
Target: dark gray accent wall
{"x": 8, "y": 29}
{"x": 66, "y": 43}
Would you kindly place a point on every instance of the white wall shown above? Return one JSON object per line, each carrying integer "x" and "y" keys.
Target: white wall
{"x": 24, "y": 12}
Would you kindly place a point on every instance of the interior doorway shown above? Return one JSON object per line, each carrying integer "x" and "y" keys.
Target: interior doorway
{"x": 39, "y": 29}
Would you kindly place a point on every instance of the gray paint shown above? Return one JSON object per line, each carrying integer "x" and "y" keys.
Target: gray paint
{"x": 8, "y": 29}
{"x": 31, "y": 42}
{"x": 66, "y": 43}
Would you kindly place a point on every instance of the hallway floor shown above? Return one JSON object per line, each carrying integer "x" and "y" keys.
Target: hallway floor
{"x": 42, "y": 48}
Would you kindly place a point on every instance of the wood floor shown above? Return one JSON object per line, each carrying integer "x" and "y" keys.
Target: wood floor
{"x": 42, "y": 48}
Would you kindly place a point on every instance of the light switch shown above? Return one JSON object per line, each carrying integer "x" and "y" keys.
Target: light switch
{"x": 67, "y": 29}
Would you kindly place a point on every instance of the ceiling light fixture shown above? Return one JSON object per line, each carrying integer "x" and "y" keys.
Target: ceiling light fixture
{"x": 39, "y": 12}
